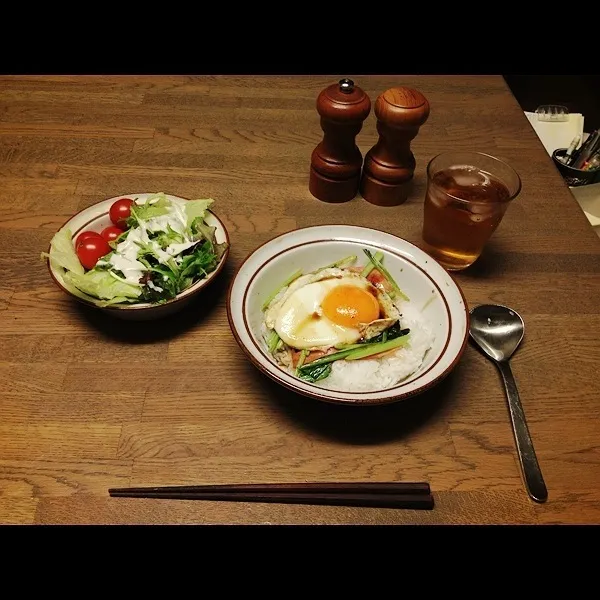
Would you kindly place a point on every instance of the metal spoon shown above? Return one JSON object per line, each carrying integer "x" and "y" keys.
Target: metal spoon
{"x": 498, "y": 331}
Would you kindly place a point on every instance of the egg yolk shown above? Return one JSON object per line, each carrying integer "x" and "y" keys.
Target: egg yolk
{"x": 348, "y": 305}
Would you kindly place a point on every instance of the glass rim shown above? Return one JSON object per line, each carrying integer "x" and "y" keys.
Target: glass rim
{"x": 476, "y": 153}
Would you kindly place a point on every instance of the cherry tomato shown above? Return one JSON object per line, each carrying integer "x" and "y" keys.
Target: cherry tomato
{"x": 119, "y": 212}
{"x": 111, "y": 233}
{"x": 91, "y": 249}
{"x": 378, "y": 280}
{"x": 84, "y": 235}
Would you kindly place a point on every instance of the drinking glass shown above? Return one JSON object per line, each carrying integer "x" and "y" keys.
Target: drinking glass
{"x": 467, "y": 195}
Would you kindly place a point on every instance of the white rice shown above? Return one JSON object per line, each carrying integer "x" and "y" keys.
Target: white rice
{"x": 367, "y": 375}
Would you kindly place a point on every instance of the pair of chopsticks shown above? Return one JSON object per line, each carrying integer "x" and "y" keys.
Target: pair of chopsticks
{"x": 380, "y": 495}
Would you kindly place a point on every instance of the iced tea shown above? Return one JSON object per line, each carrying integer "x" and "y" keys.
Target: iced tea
{"x": 463, "y": 206}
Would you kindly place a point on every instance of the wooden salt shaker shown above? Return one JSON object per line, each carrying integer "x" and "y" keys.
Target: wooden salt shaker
{"x": 336, "y": 163}
{"x": 389, "y": 165}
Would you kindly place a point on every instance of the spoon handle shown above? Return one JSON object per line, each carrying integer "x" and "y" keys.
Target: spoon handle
{"x": 531, "y": 469}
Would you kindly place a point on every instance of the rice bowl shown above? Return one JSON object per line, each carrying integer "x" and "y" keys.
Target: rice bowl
{"x": 434, "y": 311}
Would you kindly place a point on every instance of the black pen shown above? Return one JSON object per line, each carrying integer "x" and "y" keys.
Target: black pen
{"x": 588, "y": 148}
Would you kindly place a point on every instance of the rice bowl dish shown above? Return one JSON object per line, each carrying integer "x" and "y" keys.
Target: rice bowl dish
{"x": 347, "y": 315}
{"x": 345, "y": 311}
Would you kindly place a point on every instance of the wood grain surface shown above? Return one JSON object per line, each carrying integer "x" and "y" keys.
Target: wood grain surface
{"x": 88, "y": 403}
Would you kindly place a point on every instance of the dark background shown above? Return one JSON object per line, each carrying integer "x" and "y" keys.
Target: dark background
{"x": 579, "y": 93}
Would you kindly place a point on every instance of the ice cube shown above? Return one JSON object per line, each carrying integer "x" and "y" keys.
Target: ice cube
{"x": 469, "y": 176}
{"x": 482, "y": 208}
{"x": 437, "y": 197}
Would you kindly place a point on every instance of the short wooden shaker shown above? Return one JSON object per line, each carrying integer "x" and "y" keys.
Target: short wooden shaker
{"x": 390, "y": 164}
{"x": 336, "y": 162}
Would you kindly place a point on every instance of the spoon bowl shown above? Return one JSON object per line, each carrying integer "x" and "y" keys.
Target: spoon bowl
{"x": 498, "y": 331}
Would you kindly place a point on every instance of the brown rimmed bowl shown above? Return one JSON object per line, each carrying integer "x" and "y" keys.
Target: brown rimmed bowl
{"x": 429, "y": 286}
{"x": 96, "y": 218}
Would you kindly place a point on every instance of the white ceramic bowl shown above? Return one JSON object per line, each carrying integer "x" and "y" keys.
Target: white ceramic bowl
{"x": 96, "y": 218}
{"x": 428, "y": 285}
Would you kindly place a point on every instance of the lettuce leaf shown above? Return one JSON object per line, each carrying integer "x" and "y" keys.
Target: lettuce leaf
{"x": 101, "y": 284}
{"x": 168, "y": 237}
{"x": 62, "y": 253}
{"x": 67, "y": 268}
{"x": 155, "y": 206}
{"x": 196, "y": 208}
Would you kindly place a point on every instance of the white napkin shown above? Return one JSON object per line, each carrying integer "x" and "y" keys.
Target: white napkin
{"x": 557, "y": 134}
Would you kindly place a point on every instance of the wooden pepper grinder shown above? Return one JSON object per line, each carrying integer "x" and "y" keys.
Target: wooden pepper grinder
{"x": 389, "y": 165}
{"x": 336, "y": 163}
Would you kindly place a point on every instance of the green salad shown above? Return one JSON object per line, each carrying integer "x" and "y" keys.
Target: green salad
{"x": 165, "y": 247}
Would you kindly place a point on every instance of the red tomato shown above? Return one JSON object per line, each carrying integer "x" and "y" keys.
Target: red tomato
{"x": 91, "y": 249}
{"x": 111, "y": 233}
{"x": 119, "y": 212}
{"x": 84, "y": 235}
{"x": 378, "y": 280}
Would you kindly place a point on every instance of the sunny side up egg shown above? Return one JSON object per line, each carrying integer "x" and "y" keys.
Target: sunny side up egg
{"x": 326, "y": 313}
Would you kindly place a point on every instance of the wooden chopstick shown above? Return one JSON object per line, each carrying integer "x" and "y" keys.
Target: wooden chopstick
{"x": 382, "y": 495}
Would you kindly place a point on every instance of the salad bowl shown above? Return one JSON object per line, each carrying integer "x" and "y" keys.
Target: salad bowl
{"x": 63, "y": 260}
{"x": 428, "y": 295}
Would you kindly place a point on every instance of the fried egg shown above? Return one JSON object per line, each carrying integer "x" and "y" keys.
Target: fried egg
{"x": 327, "y": 312}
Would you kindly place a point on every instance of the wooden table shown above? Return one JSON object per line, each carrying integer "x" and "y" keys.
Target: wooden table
{"x": 88, "y": 403}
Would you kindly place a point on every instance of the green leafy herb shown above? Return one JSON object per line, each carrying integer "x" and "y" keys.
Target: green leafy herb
{"x": 353, "y": 352}
{"x": 371, "y": 349}
{"x": 370, "y": 265}
{"x": 155, "y": 206}
{"x": 379, "y": 265}
{"x": 273, "y": 341}
{"x": 196, "y": 209}
{"x": 199, "y": 262}
{"x": 312, "y": 372}
{"x": 303, "y": 354}
{"x": 390, "y": 333}
{"x": 328, "y": 358}
{"x": 165, "y": 238}
{"x": 348, "y": 346}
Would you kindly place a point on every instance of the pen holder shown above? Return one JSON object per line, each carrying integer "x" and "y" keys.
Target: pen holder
{"x": 574, "y": 177}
